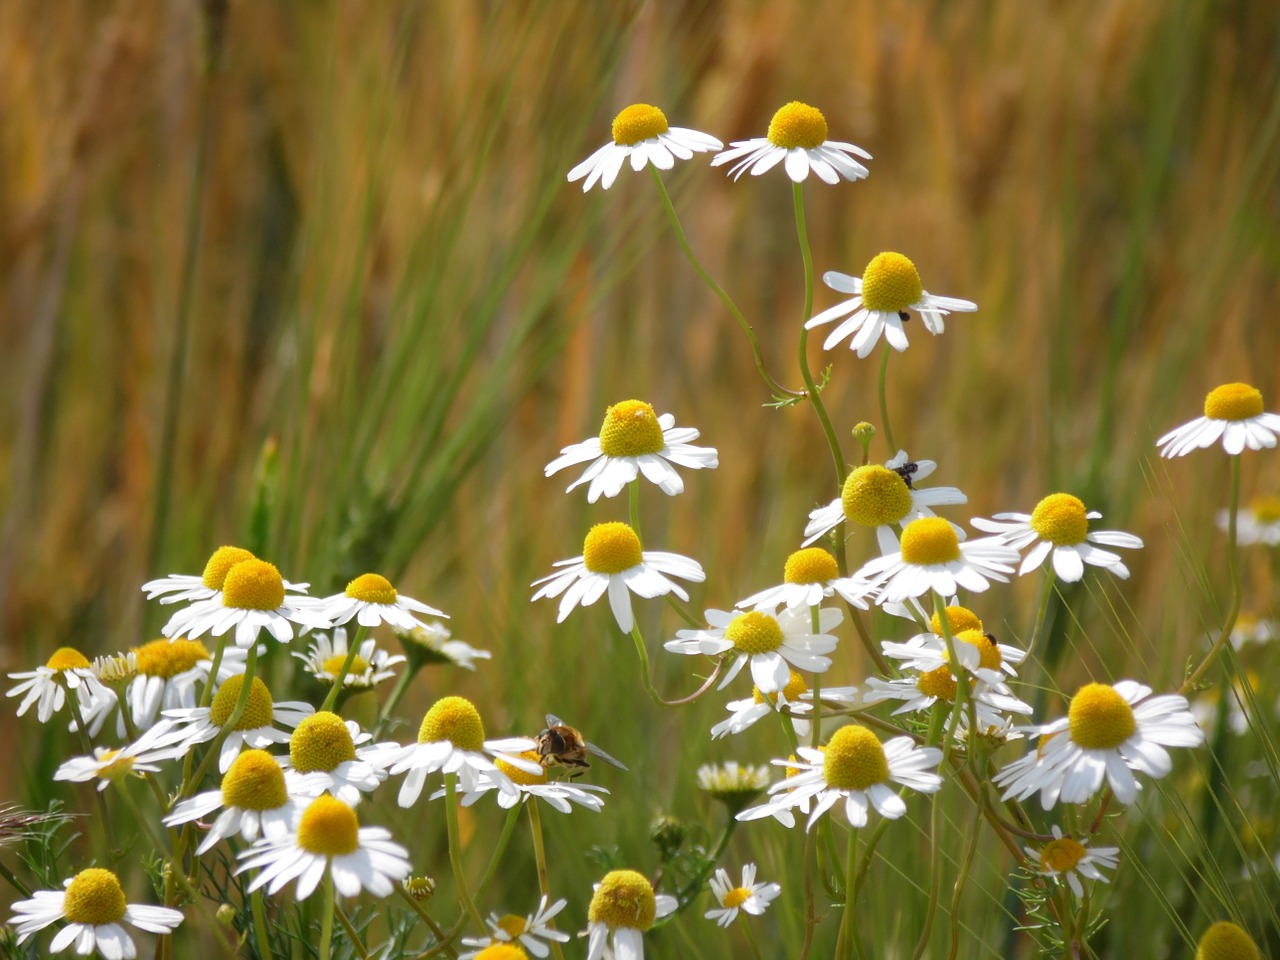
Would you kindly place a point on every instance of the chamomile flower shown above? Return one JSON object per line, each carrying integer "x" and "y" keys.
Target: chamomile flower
{"x": 733, "y": 784}
{"x": 613, "y": 561}
{"x": 140, "y": 757}
{"x": 857, "y": 768}
{"x": 370, "y": 600}
{"x": 168, "y": 671}
{"x": 451, "y": 740}
{"x": 1259, "y": 522}
{"x": 1059, "y": 525}
{"x": 254, "y": 798}
{"x": 47, "y": 686}
{"x": 253, "y": 597}
{"x": 559, "y": 794}
{"x": 532, "y": 931}
{"x": 922, "y": 691}
{"x": 809, "y": 576}
{"x": 796, "y": 699}
{"x": 1233, "y": 414}
{"x": 93, "y": 905}
{"x": 1067, "y": 859}
{"x": 986, "y": 659}
{"x": 622, "y": 908}
{"x": 257, "y": 727}
{"x": 770, "y": 642}
{"x": 1225, "y": 941}
{"x": 933, "y": 558}
{"x": 335, "y": 756}
{"x": 432, "y": 644}
{"x": 1109, "y": 731}
{"x": 883, "y": 497}
{"x": 370, "y": 666}
{"x": 750, "y": 896}
{"x": 185, "y": 587}
{"x": 328, "y": 839}
{"x": 641, "y": 135}
{"x": 882, "y": 300}
{"x": 797, "y": 139}
{"x": 634, "y": 440}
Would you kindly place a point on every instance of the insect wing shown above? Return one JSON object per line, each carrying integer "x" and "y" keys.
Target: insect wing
{"x": 592, "y": 748}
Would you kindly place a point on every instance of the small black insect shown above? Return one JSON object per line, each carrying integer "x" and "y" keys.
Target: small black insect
{"x": 904, "y": 316}
{"x": 906, "y": 471}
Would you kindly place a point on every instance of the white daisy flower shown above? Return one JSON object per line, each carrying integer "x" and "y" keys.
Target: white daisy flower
{"x": 883, "y": 297}
{"x": 255, "y": 799}
{"x": 983, "y": 657}
{"x": 795, "y": 699}
{"x": 1233, "y": 414}
{"x": 559, "y": 794}
{"x": 750, "y": 896}
{"x": 532, "y": 932}
{"x": 733, "y": 784}
{"x": 93, "y": 905}
{"x": 622, "y": 908}
{"x": 798, "y": 139}
{"x": 335, "y": 756}
{"x": 328, "y": 839}
{"x": 767, "y": 641}
{"x": 370, "y": 600}
{"x": 1259, "y": 522}
{"x": 253, "y": 597}
{"x": 1060, "y": 525}
{"x": 810, "y": 575}
{"x": 1065, "y": 858}
{"x": 883, "y": 497}
{"x": 432, "y": 644}
{"x": 641, "y": 134}
{"x": 921, "y": 692}
{"x": 47, "y": 686}
{"x": 612, "y": 560}
{"x": 370, "y": 666}
{"x": 137, "y": 758}
{"x": 185, "y": 587}
{"x": 933, "y": 558}
{"x": 635, "y": 440}
{"x": 168, "y": 672}
{"x": 257, "y": 727}
{"x": 1109, "y": 731}
{"x": 857, "y": 768}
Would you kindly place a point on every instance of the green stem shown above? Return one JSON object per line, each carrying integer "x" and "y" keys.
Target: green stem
{"x": 442, "y": 939}
{"x": 99, "y": 795}
{"x": 935, "y": 875}
{"x": 681, "y": 612}
{"x": 643, "y": 652}
{"x": 751, "y": 939}
{"x": 206, "y": 695}
{"x": 1233, "y": 569}
{"x": 508, "y": 828}
{"x": 685, "y": 894}
{"x": 1042, "y": 611}
{"x": 352, "y": 935}
{"x": 974, "y": 830}
{"x": 260, "y": 925}
{"x": 810, "y": 914}
{"x": 393, "y": 701}
{"x": 332, "y": 698}
{"x": 884, "y": 400}
{"x": 326, "y": 920}
{"x": 455, "y": 849}
{"x": 816, "y": 731}
{"x": 848, "y": 924}
{"x": 246, "y": 687}
{"x": 540, "y": 861}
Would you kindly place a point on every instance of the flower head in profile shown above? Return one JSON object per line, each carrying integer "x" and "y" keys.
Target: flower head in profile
{"x": 1059, "y": 526}
{"x": 156, "y": 745}
{"x": 93, "y": 905}
{"x": 167, "y": 675}
{"x": 1259, "y": 522}
{"x": 797, "y": 139}
{"x": 253, "y": 597}
{"x": 733, "y": 784}
{"x": 634, "y": 440}
{"x": 258, "y": 727}
{"x": 932, "y": 558}
{"x": 558, "y": 794}
{"x": 1109, "y": 732}
{"x": 809, "y": 576}
{"x": 641, "y": 135}
{"x": 750, "y": 896}
{"x": 1233, "y": 414}
{"x": 883, "y": 298}
{"x": 1225, "y": 941}
{"x": 369, "y": 667}
{"x": 433, "y": 644}
{"x": 371, "y": 600}
{"x": 612, "y": 561}
{"x": 192, "y": 588}
{"x": 532, "y": 932}
{"x": 622, "y": 908}
{"x": 47, "y": 686}
{"x": 1066, "y": 859}
{"x": 795, "y": 699}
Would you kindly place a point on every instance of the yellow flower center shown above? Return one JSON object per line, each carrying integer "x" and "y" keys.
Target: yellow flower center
{"x": 958, "y": 618}
{"x": 1061, "y": 855}
{"x": 94, "y": 897}
{"x": 1233, "y": 401}
{"x": 929, "y": 540}
{"x": 258, "y": 710}
{"x": 754, "y": 632}
{"x": 1100, "y": 718}
{"x": 113, "y": 766}
{"x": 454, "y": 719}
{"x": 254, "y": 781}
{"x": 640, "y": 121}
{"x": 320, "y": 742}
{"x": 371, "y": 588}
{"x": 890, "y": 283}
{"x": 502, "y": 951}
{"x": 623, "y": 899}
{"x": 358, "y": 665}
{"x": 1266, "y": 509}
{"x": 1060, "y": 519}
{"x": 522, "y": 777}
{"x": 791, "y": 771}
{"x": 988, "y": 652}
{"x": 795, "y": 686}
{"x": 69, "y": 658}
{"x": 811, "y": 565}
{"x": 630, "y": 429}
{"x": 938, "y": 683}
{"x": 168, "y": 658}
{"x": 220, "y": 564}
{"x": 798, "y": 125}
{"x": 253, "y": 585}
{"x": 854, "y": 759}
{"x": 1226, "y": 941}
{"x": 737, "y": 897}
{"x": 611, "y": 548}
{"x": 874, "y": 495}
{"x": 329, "y": 828}
{"x": 512, "y": 925}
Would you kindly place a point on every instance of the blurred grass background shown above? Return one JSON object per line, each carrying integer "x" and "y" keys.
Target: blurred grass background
{"x": 308, "y": 277}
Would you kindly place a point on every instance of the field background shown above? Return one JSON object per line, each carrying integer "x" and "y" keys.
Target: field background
{"x": 309, "y": 277}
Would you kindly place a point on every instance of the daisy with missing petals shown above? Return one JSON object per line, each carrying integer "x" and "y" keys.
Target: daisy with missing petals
{"x": 334, "y": 756}
{"x": 770, "y": 642}
{"x": 752, "y": 897}
{"x": 798, "y": 136}
{"x": 795, "y": 698}
{"x": 635, "y": 440}
{"x": 1109, "y": 731}
{"x": 370, "y": 600}
{"x": 612, "y": 560}
{"x": 622, "y": 908}
{"x": 641, "y": 134}
{"x": 883, "y": 297}
{"x": 93, "y": 905}
{"x": 1065, "y": 858}
{"x": 933, "y": 558}
{"x": 432, "y": 645}
{"x": 882, "y": 497}
{"x": 370, "y": 666}
{"x": 1060, "y": 525}
{"x": 183, "y": 587}
{"x": 857, "y": 768}
{"x": 328, "y": 839}
{"x": 532, "y": 932}
{"x": 253, "y": 597}
{"x": 987, "y": 660}
{"x": 168, "y": 672}
{"x": 47, "y": 686}
{"x": 137, "y": 758}
{"x": 560, "y": 794}
{"x": 256, "y": 728}
{"x": 1259, "y": 522}
{"x": 1233, "y": 414}
{"x": 809, "y": 576}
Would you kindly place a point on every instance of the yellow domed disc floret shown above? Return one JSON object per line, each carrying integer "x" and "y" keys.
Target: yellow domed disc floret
{"x": 874, "y": 496}
{"x": 890, "y": 283}
{"x": 1233, "y": 401}
{"x": 958, "y": 618}
{"x": 333, "y": 664}
{"x": 1266, "y": 509}
{"x": 798, "y": 125}
{"x": 320, "y": 742}
{"x": 501, "y": 951}
{"x": 113, "y": 766}
{"x": 512, "y": 925}
{"x": 630, "y": 429}
{"x": 455, "y": 719}
{"x": 254, "y": 781}
{"x": 69, "y": 658}
{"x": 1061, "y": 855}
{"x": 988, "y": 651}
{"x": 611, "y": 548}
{"x": 754, "y": 632}
{"x": 1100, "y": 718}
{"x": 258, "y": 710}
{"x": 94, "y": 898}
{"x": 737, "y": 897}
{"x": 371, "y": 588}
{"x": 795, "y": 686}
{"x": 329, "y": 828}
{"x": 1060, "y": 519}
{"x": 810, "y": 565}
{"x": 522, "y": 778}
{"x": 854, "y": 759}
{"x": 938, "y": 683}
{"x": 223, "y": 559}
{"x": 1226, "y": 941}
{"x": 640, "y": 121}
{"x": 929, "y": 540}
{"x": 253, "y": 585}
{"x": 168, "y": 658}
{"x": 623, "y": 899}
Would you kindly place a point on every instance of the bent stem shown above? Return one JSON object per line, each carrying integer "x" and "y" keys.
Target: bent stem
{"x": 455, "y": 849}
{"x": 1233, "y": 569}
{"x": 332, "y": 698}
{"x": 643, "y": 652}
